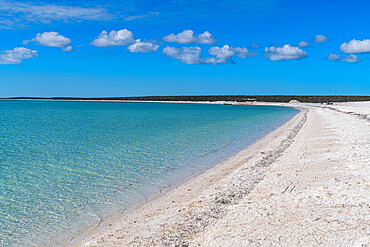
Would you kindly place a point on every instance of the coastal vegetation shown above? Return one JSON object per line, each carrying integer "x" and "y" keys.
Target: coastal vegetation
{"x": 235, "y": 98}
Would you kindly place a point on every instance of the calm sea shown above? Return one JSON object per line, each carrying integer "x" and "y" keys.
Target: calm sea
{"x": 64, "y": 166}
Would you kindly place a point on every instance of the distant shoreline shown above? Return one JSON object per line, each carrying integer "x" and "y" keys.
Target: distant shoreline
{"x": 153, "y": 101}
{"x": 212, "y": 98}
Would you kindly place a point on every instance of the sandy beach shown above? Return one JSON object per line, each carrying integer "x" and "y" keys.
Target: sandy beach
{"x": 305, "y": 184}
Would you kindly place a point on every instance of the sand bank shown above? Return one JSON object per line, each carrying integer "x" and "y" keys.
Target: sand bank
{"x": 305, "y": 184}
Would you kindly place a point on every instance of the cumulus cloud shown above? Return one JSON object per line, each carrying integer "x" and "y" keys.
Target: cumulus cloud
{"x": 142, "y": 47}
{"x": 17, "y": 14}
{"x": 51, "y": 39}
{"x": 225, "y": 53}
{"x": 254, "y": 46}
{"x": 320, "y": 39}
{"x": 188, "y": 55}
{"x": 187, "y": 36}
{"x": 16, "y": 55}
{"x": 283, "y": 53}
{"x": 68, "y": 48}
{"x": 356, "y": 46}
{"x": 114, "y": 38}
{"x": 303, "y": 44}
{"x": 242, "y": 52}
{"x": 222, "y": 53}
{"x": 192, "y": 55}
{"x": 334, "y": 57}
{"x": 350, "y": 58}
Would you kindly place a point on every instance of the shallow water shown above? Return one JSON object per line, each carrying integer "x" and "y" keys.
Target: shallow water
{"x": 66, "y": 165}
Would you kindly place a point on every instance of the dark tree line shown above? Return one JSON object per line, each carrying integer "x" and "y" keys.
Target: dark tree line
{"x": 238, "y": 98}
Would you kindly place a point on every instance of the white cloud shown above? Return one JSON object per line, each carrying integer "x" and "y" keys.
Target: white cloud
{"x": 319, "y": 39}
{"x": 222, "y": 53}
{"x": 51, "y": 39}
{"x": 192, "y": 55}
{"x": 225, "y": 53}
{"x": 16, "y": 55}
{"x": 285, "y": 52}
{"x": 18, "y": 13}
{"x": 68, "y": 48}
{"x": 356, "y": 46}
{"x": 350, "y": 58}
{"x": 205, "y": 38}
{"x": 187, "y": 36}
{"x": 302, "y": 44}
{"x": 334, "y": 57}
{"x": 135, "y": 17}
{"x": 114, "y": 38}
{"x": 242, "y": 52}
{"x": 188, "y": 55}
{"x": 254, "y": 46}
{"x": 143, "y": 47}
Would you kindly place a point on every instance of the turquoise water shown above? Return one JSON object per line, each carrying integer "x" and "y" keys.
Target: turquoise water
{"x": 64, "y": 166}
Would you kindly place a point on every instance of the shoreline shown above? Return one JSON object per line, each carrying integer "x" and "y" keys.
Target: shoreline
{"x": 217, "y": 97}
{"x": 80, "y": 239}
{"x": 262, "y": 103}
{"x": 151, "y": 101}
{"x": 304, "y": 184}
{"x": 162, "y": 191}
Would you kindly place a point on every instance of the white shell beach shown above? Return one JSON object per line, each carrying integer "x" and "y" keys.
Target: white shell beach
{"x": 305, "y": 184}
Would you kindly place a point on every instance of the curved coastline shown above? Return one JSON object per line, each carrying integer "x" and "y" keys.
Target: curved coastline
{"x": 304, "y": 184}
{"x": 94, "y": 219}
{"x": 287, "y": 131}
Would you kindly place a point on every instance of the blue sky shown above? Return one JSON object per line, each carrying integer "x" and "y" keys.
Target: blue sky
{"x": 58, "y": 48}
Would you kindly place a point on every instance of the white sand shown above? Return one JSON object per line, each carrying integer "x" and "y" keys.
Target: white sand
{"x": 305, "y": 184}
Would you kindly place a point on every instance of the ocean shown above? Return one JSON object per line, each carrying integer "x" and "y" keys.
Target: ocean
{"x": 65, "y": 166}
